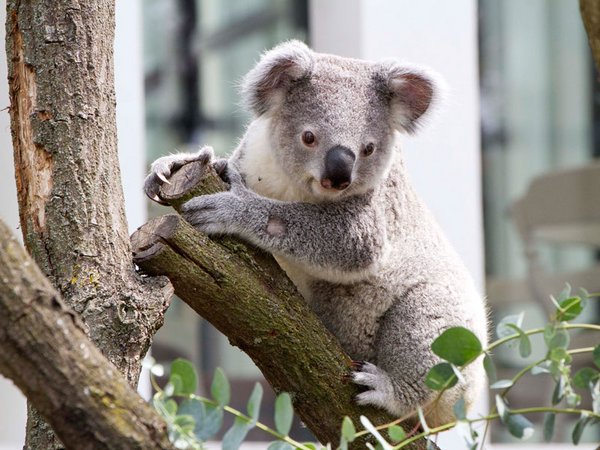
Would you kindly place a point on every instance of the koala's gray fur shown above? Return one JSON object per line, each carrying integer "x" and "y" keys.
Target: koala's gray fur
{"x": 369, "y": 259}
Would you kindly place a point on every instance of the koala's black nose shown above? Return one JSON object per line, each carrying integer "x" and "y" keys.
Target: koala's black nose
{"x": 339, "y": 162}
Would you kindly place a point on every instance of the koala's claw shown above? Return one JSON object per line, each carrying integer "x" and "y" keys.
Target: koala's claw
{"x": 162, "y": 169}
{"x": 375, "y": 383}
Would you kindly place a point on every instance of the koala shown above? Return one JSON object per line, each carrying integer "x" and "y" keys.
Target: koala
{"x": 319, "y": 182}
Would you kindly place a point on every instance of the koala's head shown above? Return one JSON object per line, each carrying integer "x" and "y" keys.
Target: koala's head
{"x": 333, "y": 121}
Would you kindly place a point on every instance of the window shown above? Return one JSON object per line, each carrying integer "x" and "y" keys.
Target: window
{"x": 538, "y": 138}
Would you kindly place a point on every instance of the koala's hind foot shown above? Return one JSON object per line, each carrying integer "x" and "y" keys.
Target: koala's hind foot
{"x": 162, "y": 169}
{"x": 380, "y": 389}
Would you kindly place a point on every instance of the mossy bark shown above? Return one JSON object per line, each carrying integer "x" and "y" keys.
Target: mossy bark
{"x": 47, "y": 354}
{"x": 243, "y": 292}
{"x": 62, "y": 108}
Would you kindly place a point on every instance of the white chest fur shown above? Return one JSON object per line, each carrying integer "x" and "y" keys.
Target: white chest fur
{"x": 262, "y": 172}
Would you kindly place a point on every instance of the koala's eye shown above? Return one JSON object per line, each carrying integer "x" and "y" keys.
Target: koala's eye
{"x": 309, "y": 138}
{"x": 369, "y": 149}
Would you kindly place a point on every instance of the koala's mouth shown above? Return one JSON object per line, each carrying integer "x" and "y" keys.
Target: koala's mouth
{"x": 322, "y": 192}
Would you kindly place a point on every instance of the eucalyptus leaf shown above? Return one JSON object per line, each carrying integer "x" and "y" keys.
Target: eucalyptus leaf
{"x": 596, "y": 356}
{"x": 559, "y": 391}
{"x": 586, "y": 377}
{"x": 236, "y": 434}
{"x": 524, "y": 342}
{"x": 396, "y": 433}
{"x": 502, "y": 330}
{"x": 579, "y": 427}
{"x": 564, "y": 294}
{"x": 284, "y": 413}
{"x": 441, "y": 376}
{"x": 254, "y": 401}
{"x": 501, "y": 384}
{"x": 490, "y": 367}
{"x": 220, "y": 389}
{"x": 560, "y": 339}
{"x": 519, "y": 426}
{"x": 502, "y": 408}
{"x": 549, "y": 419}
{"x": 459, "y": 409}
{"x": 569, "y": 309}
{"x": 280, "y": 445}
{"x": 457, "y": 345}
{"x": 348, "y": 429}
{"x": 208, "y": 418}
{"x": 186, "y": 371}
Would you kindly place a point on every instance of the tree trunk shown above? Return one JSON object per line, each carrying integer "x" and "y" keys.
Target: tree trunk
{"x": 60, "y": 63}
{"x": 47, "y": 354}
{"x": 590, "y": 13}
{"x": 244, "y": 293}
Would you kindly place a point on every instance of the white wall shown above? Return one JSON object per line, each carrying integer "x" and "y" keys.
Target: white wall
{"x": 444, "y": 158}
{"x": 130, "y": 122}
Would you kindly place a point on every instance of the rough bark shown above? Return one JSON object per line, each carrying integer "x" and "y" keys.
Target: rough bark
{"x": 590, "y": 13}
{"x": 47, "y": 354}
{"x": 245, "y": 294}
{"x": 61, "y": 88}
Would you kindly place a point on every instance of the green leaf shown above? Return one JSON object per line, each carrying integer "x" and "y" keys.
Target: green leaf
{"x": 569, "y": 309}
{"x": 502, "y": 330}
{"x": 396, "y": 433}
{"x": 284, "y": 413}
{"x": 596, "y": 356}
{"x": 585, "y": 296}
{"x": 208, "y": 418}
{"x": 524, "y": 343}
{"x": 167, "y": 407}
{"x": 185, "y": 422}
{"x": 174, "y": 386}
{"x": 560, "y": 339}
{"x": 559, "y": 391}
{"x": 540, "y": 368}
{"x": 502, "y": 408}
{"x": 441, "y": 376}
{"x": 559, "y": 354}
{"x": 565, "y": 293}
{"x": 579, "y": 427}
{"x": 549, "y": 419}
{"x": 585, "y": 378}
{"x": 490, "y": 367}
{"x": 501, "y": 384}
{"x": 254, "y": 401}
{"x": 219, "y": 388}
{"x": 279, "y": 445}
{"x": 371, "y": 429}
{"x": 457, "y": 345}
{"x": 348, "y": 429}
{"x": 459, "y": 409}
{"x": 236, "y": 434}
{"x": 187, "y": 373}
{"x": 519, "y": 426}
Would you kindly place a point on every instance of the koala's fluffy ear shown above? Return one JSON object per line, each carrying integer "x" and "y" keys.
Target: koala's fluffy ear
{"x": 412, "y": 92}
{"x": 277, "y": 68}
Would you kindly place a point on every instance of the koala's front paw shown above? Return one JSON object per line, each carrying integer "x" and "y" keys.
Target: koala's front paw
{"x": 213, "y": 214}
{"x": 162, "y": 169}
{"x": 379, "y": 388}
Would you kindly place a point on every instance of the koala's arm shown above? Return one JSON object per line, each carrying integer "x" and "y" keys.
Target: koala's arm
{"x": 345, "y": 236}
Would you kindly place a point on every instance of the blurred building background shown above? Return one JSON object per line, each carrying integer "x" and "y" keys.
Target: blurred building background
{"x": 506, "y": 165}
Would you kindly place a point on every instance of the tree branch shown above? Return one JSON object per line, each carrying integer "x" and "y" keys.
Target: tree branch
{"x": 47, "y": 354}
{"x": 245, "y": 294}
